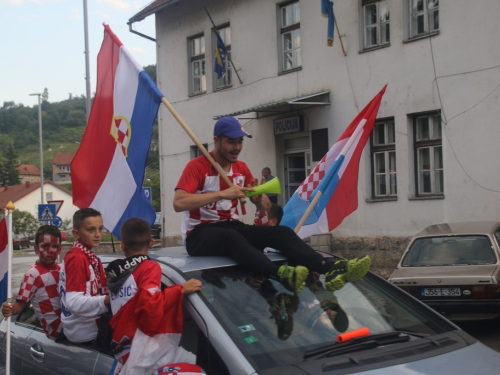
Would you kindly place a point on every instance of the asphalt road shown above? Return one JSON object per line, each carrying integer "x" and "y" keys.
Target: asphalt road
{"x": 487, "y": 331}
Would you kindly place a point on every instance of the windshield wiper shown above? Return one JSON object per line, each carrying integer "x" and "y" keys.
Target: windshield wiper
{"x": 362, "y": 343}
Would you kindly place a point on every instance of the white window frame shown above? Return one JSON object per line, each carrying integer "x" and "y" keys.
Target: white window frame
{"x": 197, "y": 65}
{"x": 227, "y": 78}
{"x": 386, "y": 148}
{"x": 290, "y": 39}
{"x": 429, "y": 170}
{"x": 422, "y": 20}
{"x": 380, "y": 25}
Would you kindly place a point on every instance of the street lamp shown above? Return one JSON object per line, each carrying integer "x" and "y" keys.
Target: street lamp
{"x": 40, "y": 138}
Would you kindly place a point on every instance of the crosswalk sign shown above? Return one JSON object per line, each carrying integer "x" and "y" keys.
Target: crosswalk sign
{"x": 46, "y": 212}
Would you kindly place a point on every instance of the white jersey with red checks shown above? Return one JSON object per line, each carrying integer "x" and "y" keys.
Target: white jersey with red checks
{"x": 40, "y": 286}
{"x": 200, "y": 177}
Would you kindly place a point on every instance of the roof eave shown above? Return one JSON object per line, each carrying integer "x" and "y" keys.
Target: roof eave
{"x": 146, "y": 13}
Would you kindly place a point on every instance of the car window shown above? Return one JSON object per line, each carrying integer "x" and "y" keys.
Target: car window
{"x": 274, "y": 327}
{"x": 28, "y": 316}
{"x": 446, "y": 250}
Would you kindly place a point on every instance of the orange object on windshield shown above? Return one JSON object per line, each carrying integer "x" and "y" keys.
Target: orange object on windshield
{"x": 353, "y": 334}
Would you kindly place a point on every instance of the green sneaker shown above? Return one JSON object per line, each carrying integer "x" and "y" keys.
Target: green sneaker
{"x": 282, "y": 308}
{"x": 293, "y": 278}
{"x": 344, "y": 271}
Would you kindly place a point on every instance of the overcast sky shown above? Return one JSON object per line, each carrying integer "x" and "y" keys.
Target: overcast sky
{"x": 42, "y": 44}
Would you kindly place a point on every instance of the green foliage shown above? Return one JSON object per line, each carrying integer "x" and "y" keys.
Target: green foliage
{"x": 152, "y": 179}
{"x": 67, "y": 224}
{"x": 8, "y": 172}
{"x": 24, "y": 223}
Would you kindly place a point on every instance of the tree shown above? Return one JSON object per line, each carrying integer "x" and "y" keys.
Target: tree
{"x": 45, "y": 95}
{"x": 10, "y": 175}
{"x": 24, "y": 223}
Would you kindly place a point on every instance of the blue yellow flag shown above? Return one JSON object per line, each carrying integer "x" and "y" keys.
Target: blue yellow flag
{"x": 327, "y": 11}
{"x": 220, "y": 52}
{"x": 220, "y": 57}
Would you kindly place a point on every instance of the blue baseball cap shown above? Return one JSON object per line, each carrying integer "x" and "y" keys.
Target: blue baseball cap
{"x": 230, "y": 127}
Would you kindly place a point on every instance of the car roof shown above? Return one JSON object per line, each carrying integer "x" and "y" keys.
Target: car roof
{"x": 179, "y": 258}
{"x": 466, "y": 227}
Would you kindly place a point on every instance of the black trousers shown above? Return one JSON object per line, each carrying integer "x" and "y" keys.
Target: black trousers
{"x": 245, "y": 244}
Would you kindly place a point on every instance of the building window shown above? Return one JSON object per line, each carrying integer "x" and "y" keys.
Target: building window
{"x": 428, "y": 154}
{"x": 226, "y": 79}
{"x": 290, "y": 36}
{"x": 383, "y": 148}
{"x": 376, "y": 31}
{"x": 195, "y": 151}
{"x": 423, "y": 17}
{"x": 197, "y": 79}
{"x": 48, "y": 196}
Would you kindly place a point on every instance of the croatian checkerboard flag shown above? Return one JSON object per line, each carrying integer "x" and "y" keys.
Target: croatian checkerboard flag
{"x": 4, "y": 260}
{"x": 108, "y": 168}
{"x": 336, "y": 177}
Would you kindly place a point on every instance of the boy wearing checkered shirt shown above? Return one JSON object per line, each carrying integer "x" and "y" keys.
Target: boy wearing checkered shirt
{"x": 40, "y": 283}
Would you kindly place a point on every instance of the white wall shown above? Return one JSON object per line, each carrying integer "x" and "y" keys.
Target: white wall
{"x": 464, "y": 57}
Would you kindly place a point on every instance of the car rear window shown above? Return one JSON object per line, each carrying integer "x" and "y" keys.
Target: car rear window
{"x": 446, "y": 250}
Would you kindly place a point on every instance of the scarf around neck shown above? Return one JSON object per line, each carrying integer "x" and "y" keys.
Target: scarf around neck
{"x": 93, "y": 259}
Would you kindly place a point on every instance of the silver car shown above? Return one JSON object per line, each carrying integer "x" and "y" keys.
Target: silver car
{"x": 455, "y": 269}
{"x": 244, "y": 323}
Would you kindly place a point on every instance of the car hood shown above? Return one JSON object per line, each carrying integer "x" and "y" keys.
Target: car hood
{"x": 486, "y": 361}
{"x": 459, "y": 275}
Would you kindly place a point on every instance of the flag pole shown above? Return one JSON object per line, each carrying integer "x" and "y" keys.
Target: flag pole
{"x": 202, "y": 149}
{"x": 10, "y": 207}
{"x": 344, "y": 151}
{"x": 338, "y": 33}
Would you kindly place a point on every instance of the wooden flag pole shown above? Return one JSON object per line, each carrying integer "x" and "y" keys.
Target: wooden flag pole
{"x": 202, "y": 149}
{"x": 10, "y": 207}
{"x": 308, "y": 211}
{"x": 338, "y": 33}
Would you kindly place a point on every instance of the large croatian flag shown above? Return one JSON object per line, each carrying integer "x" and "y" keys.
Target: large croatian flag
{"x": 4, "y": 260}
{"x": 336, "y": 177}
{"x": 108, "y": 168}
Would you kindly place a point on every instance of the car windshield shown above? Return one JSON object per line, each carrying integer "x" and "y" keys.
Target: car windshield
{"x": 274, "y": 327}
{"x": 450, "y": 250}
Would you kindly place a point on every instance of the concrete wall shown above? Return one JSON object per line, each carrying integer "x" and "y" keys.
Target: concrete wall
{"x": 455, "y": 71}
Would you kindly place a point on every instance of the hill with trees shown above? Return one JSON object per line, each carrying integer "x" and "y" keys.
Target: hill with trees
{"x": 63, "y": 126}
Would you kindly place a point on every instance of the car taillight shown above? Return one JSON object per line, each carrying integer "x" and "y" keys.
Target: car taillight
{"x": 485, "y": 291}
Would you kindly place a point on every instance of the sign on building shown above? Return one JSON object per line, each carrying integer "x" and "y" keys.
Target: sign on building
{"x": 288, "y": 125}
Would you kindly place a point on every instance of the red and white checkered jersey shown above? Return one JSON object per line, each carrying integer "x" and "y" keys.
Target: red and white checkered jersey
{"x": 40, "y": 285}
{"x": 200, "y": 177}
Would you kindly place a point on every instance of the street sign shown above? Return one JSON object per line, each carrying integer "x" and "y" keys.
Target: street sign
{"x": 46, "y": 212}
{"x": 58, "y": 205}
{"x": 147, "y": 192}
{"x": 57, "y": 222}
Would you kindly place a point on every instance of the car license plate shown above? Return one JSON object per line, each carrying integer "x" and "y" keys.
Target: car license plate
{"x": 441, "y": 292}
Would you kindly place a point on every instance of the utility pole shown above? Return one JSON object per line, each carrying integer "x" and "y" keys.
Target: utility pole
{"x": 87, "y": 70}
{"x": 40, "y": 138}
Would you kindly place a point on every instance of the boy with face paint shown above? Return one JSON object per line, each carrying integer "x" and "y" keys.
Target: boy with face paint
{"x": 40, "y": 283}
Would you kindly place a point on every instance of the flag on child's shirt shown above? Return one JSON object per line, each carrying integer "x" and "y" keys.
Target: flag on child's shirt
{"x": 336, "y": 177}
{"x": 108, "y": 169}
{"x": 4, "y": 260}
{"x": 327, "y": 11}
{"x": 154, "y": 320}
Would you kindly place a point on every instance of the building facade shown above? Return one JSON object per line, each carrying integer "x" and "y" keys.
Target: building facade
{"x": 61, "y": 167}
{"x": 28, "y": 173}
{"x": 433, "y": 153}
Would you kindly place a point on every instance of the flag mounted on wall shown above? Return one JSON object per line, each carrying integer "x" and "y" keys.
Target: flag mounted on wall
{"x": 220, "y": 51}
{"x": 327, "y": 12}
{"x": 108, "y": 168}
{"x": 335, "y": 179}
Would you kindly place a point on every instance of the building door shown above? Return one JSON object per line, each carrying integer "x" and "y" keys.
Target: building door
{"x": 297, "y": 168}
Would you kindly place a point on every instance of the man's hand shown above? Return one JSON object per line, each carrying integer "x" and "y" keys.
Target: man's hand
{"x": 191, "y": 286}
{"x": 7, "y": 309}
{"x": 106, "y": 300}
{"x": 235, "y": 192}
